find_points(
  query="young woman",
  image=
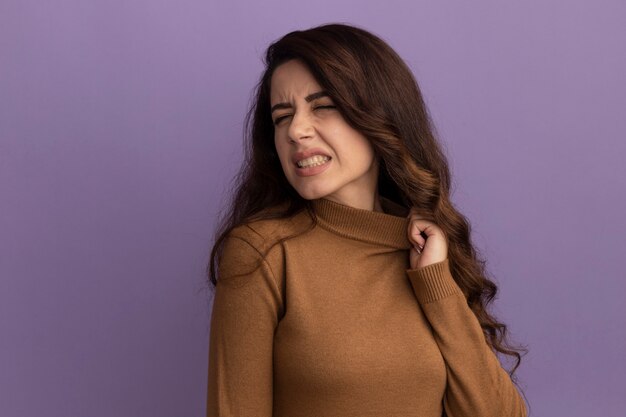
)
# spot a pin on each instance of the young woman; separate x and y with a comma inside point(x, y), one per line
point(346, 283)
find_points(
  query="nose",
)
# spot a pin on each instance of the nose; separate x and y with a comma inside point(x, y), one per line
point(300, 127)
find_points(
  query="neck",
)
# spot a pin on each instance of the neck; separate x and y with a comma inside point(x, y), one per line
point(360, 200)
point(387, 227)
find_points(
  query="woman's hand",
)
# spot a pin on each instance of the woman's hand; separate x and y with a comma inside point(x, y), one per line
point(429, 250)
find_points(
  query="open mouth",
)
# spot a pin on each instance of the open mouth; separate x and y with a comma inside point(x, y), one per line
point(315, 168)
point(315, 161)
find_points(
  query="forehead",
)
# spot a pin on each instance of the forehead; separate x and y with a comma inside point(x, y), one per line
point(290, 80)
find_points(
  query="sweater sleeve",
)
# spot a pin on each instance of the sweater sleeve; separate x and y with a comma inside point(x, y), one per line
point(246, 307)
point(477, 384)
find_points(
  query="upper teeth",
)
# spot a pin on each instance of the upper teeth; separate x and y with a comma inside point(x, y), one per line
point(317, 159)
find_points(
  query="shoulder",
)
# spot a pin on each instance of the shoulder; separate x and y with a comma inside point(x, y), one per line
point(258, 244)
point(265, 233)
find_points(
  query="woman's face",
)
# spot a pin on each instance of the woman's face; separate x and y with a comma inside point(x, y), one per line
point(306, 123)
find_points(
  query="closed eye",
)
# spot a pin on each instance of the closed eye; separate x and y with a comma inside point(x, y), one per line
point(278, 119)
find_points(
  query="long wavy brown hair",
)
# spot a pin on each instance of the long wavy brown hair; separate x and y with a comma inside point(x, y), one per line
point(377, 95)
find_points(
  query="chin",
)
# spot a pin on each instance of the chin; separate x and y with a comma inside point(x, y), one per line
point(311, 196)
point(309, 193)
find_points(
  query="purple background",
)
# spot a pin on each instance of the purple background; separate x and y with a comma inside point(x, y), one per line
point(120, 128)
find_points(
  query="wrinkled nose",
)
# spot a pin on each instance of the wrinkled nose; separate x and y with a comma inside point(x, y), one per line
point(301, 127)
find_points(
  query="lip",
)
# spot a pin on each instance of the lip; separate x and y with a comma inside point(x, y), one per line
point(309, 171)
point(298, 156)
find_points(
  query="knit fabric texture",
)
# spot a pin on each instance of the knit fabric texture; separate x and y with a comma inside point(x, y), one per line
point(334, 322)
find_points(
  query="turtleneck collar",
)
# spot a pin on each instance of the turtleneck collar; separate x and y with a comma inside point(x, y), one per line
point(388, 228)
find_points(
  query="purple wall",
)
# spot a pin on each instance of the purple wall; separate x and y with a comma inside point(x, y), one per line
point(120, 126)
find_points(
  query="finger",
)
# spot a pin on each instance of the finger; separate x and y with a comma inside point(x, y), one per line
point(425, 226)
point(415, 234)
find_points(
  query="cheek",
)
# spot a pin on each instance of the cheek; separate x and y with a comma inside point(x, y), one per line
point(356, 146)
point(366, 156)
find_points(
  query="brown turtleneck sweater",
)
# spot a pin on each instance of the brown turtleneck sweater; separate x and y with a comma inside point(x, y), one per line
point(335, 323)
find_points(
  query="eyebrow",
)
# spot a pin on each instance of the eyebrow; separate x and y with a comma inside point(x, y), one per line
point(308, 98)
